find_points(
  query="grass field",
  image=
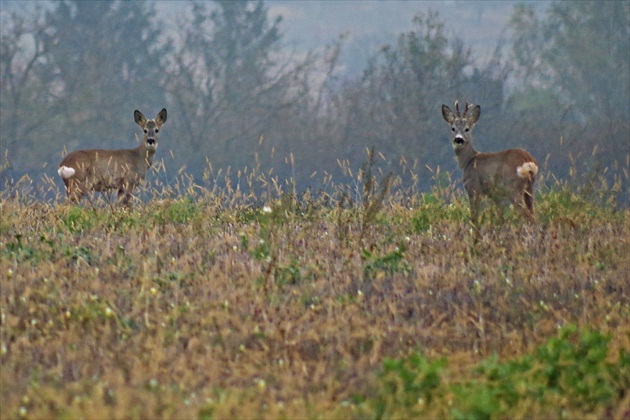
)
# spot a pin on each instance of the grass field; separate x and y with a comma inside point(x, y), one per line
point(205, 302)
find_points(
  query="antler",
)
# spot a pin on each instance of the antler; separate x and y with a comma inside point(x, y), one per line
point(468, 106)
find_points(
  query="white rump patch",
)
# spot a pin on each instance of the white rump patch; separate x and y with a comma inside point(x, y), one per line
point(66, 172)
point(527, 169)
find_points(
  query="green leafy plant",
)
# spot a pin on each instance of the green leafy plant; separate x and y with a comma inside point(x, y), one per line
point(387, 264)
point(571, 373)
point(408, 385)
point(572, 368)
point(182, 210)
point(78, 219)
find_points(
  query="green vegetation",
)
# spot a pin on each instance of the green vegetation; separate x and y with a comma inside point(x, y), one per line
point(224, 304)
point(567, 377)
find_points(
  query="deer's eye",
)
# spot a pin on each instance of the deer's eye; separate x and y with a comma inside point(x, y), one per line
point(467, 129)
point(453, 129)
point(157, 130)
point(146, 131)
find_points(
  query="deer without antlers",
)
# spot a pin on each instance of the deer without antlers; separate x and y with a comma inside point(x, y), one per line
point(84, 171)
point(507, 175)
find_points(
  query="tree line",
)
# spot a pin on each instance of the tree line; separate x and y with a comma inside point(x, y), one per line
point(72, 74)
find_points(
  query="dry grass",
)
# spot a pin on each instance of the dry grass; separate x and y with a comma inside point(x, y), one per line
point(199, 303)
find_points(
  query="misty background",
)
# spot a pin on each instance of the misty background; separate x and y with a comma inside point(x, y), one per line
point(298, 88)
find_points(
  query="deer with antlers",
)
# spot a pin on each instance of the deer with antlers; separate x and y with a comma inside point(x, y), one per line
point(502, 176)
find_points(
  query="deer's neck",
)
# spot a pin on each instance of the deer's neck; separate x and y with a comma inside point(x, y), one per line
point(145, 154)
point(465, 155)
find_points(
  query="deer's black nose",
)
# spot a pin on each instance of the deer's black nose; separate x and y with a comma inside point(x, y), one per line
point(151, 141)
point(458, 140)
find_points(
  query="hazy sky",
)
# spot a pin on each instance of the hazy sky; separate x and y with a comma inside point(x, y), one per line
point(312, 23)
point(369, 24)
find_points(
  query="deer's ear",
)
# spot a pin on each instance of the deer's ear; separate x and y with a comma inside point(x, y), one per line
point(447, 114)
point(140, 119)
point(161, 117)
point(474, 115)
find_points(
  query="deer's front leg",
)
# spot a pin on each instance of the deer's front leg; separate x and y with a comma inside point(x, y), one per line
point(475, 205)
point(124, 193)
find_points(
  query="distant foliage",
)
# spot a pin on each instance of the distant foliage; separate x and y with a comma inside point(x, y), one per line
point(579, 52)
point(74, 71)
point(225, 83)
point(574, 64)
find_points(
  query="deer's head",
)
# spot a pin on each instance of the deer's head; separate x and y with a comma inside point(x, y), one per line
point(150, 128)
point(461, 123)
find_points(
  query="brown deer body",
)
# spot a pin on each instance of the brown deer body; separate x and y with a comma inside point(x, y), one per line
point(84, 171)
point(507, 175)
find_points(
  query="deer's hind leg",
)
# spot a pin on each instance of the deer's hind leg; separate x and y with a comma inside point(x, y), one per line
point(523, 200)
point(529, 200)
point(74, 190)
